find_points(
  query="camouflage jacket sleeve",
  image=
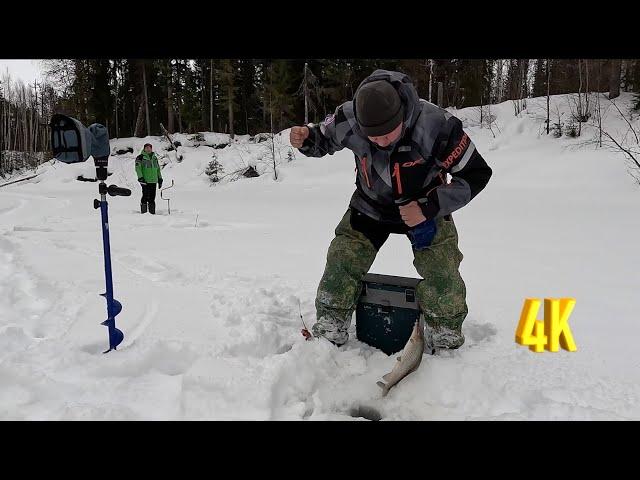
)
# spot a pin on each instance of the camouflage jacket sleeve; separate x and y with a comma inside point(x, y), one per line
point(322, 138)
point(456, 155)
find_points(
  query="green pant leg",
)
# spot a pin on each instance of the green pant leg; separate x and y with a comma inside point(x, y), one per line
point(442, 292)
point(349, 258)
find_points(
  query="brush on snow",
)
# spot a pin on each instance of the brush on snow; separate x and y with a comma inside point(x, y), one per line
point(305, 331)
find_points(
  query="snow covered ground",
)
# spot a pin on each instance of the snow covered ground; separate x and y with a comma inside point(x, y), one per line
point(211, 292)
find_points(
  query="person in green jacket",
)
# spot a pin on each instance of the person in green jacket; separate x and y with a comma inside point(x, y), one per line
point(148, 171)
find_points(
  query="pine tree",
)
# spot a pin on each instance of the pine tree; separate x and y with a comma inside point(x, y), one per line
point(474, 82)
point(278, 96)
point(635, 81)
point(229, 90)
point(100, 101)
point(614, 79)
point(2, 117)
point(192, 114)
point(250, 119)
point(540, 78)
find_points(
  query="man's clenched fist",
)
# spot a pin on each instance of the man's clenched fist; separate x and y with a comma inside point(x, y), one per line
point(411, 214)
point(298, 135)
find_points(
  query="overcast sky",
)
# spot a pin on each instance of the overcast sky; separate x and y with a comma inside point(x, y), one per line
point(26, 70)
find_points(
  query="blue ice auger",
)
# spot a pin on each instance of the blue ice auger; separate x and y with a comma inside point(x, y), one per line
point(114, 307)
point(72, 143)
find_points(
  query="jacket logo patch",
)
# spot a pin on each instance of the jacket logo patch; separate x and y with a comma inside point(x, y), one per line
point(419, 161)
point(453, 156)
point(329, 119)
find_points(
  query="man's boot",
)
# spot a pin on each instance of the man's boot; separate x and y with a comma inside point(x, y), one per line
point(152, 208)
point(143, 208)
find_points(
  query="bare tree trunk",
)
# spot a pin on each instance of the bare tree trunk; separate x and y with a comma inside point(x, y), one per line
point(586, 71)
point(203, 110)
point(2, 123)
point(138, 130)
point(169, 97)
point(25, 124)
point(230, 105)
point(146, 99)
point(524, 83)
point(40, 132)
point(264, 108)
point(430, 79)
point(587, 91)
point(614, 79)
point(7, 136)
point(34, 123)
point(580, 98)
point(9, 121)
point(211, 95)
point(270, 111)
point(273, 155)
point(116, 102)
point(170, 108)
point(456, 91)
point(139, 121)
point(16, 138)
point(548, 85)
point(598, 104)
point(499, 68)
point(306, 97)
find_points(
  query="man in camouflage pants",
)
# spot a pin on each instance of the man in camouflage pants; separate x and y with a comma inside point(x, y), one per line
point(404, 147)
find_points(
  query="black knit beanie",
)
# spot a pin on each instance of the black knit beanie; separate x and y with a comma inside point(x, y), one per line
point(378, 108)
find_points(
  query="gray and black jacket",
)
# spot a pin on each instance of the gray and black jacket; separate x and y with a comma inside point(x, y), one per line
point(432, 145)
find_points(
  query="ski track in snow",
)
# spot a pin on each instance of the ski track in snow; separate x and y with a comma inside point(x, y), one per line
point(211, 307)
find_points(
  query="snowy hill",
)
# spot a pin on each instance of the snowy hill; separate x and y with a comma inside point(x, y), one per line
point(210, 292)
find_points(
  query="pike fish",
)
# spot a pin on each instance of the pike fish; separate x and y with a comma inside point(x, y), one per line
point(408, 361)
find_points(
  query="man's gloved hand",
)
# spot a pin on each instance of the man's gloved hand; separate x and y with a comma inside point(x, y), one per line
point(421, 235)
point(159, 183)
point(141, 180)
